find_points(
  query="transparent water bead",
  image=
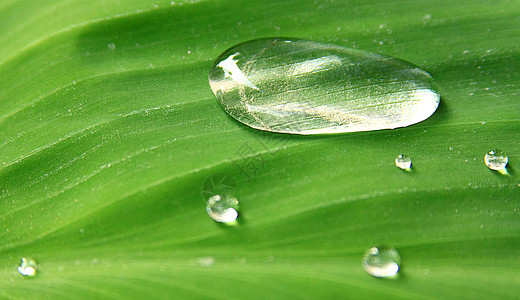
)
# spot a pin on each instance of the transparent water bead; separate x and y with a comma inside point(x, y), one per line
point(403, 161)
point(219, 191)
point(223, 209)
point(28, 267)
point(305, 87)
point(382, 261)
point(496, 160)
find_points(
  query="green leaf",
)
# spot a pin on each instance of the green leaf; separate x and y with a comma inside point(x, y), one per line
point(108, 129)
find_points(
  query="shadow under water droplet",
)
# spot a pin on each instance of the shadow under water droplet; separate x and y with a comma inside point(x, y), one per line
point(508, 171)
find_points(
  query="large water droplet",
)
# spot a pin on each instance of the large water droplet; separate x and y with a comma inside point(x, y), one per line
point(305, 87)
point(28, 267)
point(382, 261)
point(496, 160)
point(403, 161)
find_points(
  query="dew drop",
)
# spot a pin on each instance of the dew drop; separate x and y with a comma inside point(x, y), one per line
point(496, 160)
point(111, 46)
point(382, 261)
point(219, 191)
point(222, 209)
point(28, 267)
point(305, 87)
point(403, 161)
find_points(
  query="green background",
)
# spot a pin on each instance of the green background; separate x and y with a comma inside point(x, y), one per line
point(108, 129)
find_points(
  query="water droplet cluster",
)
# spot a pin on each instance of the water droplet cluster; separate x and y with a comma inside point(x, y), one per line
point(304, 87)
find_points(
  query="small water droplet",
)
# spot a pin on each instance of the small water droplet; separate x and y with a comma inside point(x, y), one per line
point(305, 87)
point(222, 209)
point(221, 204)
point(403, 161)
point(496, 160)
point(111, 46)
point(382, 261)
point(28, 267)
